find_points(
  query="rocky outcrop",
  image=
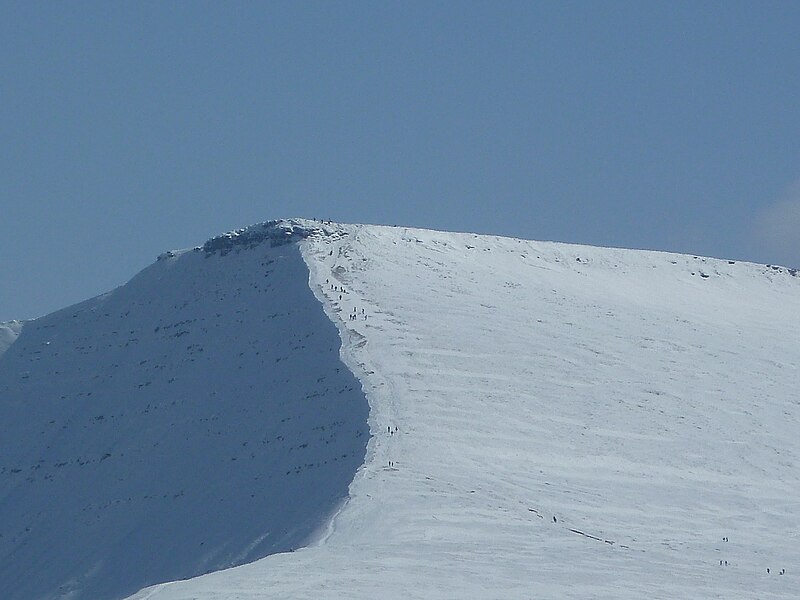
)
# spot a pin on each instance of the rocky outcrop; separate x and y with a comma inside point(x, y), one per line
point(275, 233)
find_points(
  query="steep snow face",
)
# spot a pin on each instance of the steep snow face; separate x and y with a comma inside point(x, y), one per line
point(8, 334)
point(572, 422)
point(196, 418)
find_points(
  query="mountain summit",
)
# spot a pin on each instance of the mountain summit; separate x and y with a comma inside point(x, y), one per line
point(360, 411)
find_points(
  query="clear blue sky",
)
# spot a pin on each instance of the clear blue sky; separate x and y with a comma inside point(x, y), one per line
point(131, 128)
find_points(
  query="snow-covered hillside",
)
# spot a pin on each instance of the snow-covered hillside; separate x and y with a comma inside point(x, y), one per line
point(196, 418)
point(546, 420)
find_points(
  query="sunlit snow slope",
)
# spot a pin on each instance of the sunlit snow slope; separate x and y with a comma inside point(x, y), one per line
point(8, 334)
point(196, 418)
point(572, 422)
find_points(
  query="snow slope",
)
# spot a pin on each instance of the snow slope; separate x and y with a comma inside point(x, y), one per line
point(194, 419)
point(8, 334)
point(573, 422)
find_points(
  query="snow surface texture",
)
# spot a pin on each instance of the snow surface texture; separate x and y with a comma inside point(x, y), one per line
point(196, 418)
point(571, 422)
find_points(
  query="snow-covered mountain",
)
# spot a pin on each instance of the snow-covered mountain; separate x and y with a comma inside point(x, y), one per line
point(504, 418)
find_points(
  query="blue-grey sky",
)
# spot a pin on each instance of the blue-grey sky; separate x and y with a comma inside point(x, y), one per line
point(129, 128)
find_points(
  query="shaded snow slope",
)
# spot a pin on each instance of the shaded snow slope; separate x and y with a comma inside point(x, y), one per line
point(573, 422)
point(196, 418)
